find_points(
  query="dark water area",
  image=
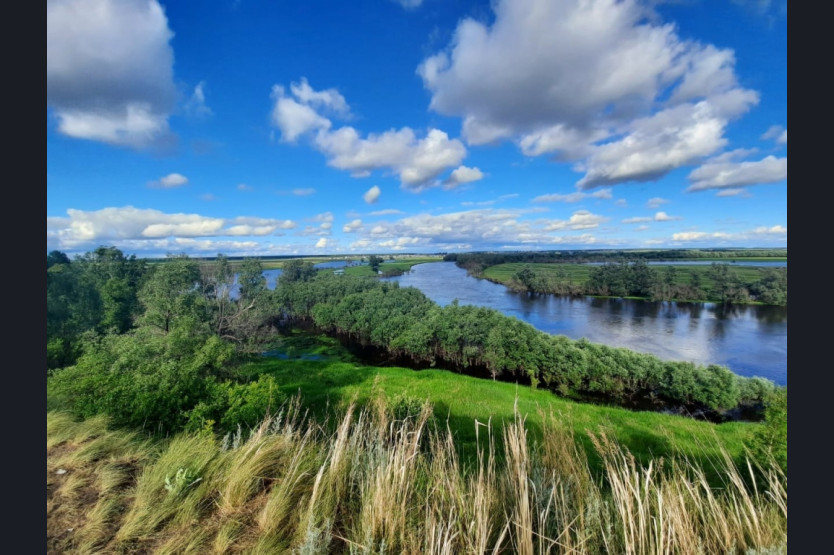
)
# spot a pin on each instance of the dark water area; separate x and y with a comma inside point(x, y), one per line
point(750, 340)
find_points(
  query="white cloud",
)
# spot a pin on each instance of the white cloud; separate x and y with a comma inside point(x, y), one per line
point(602, 83)
point(484, 228)
point(208, 197)
point(321, 243)
point(732, 193)
point(169, 181)
point(329, 100)
point(416, 161)
point(324, 228)
point(462, 175)
point(658, 217)
point(303, 192)
point(386, 212)
point(372, 194)
point(621, 202)
point(664, 217)
point(726, 172)
point(574, 197)
point(581, 219)
point(671, 138)
point(776, 133)
point(196, 105)
point(656, 202)
point(772, 233)
point(109, 70)
point(119, 224)
point(293, 118)
point(352, 226)
point(244, 187)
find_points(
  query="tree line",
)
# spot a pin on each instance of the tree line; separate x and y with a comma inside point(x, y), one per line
point(638, 279)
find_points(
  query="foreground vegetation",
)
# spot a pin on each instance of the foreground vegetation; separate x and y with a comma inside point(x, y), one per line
point(374, 481)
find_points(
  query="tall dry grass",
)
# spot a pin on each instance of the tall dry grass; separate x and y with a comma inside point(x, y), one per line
point(369, 483)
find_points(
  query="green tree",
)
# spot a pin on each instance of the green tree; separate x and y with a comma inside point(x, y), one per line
point(296, 270)
point(171, 296)
point(374, 261)
point(251, 279)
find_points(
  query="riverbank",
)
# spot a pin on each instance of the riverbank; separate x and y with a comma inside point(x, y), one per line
point(672, 282)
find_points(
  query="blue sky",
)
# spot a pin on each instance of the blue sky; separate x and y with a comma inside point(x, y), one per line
point(275, 128)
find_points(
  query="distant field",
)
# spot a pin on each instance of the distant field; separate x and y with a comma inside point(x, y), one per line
point(404, 265)
point(336, 379)
point(579, 273)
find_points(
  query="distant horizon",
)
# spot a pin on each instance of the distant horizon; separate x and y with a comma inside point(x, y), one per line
point(415, 253)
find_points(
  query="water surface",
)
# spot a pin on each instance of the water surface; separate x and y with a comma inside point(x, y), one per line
point(750, 340)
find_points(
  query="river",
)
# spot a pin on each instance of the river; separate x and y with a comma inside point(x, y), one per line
point(750, 340)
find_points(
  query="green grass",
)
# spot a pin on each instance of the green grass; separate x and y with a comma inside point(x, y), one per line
point(404, 265)
point(337, 379)
point(579, 273)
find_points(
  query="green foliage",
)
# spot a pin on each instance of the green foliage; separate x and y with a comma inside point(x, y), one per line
point(296, 270)
point(143, 379)
point(770, 440)
point(374, 261)
point(171, 295)
point(98, 291)
point(251, 279)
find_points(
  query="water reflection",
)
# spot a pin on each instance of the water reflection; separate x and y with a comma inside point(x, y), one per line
point(750, 340)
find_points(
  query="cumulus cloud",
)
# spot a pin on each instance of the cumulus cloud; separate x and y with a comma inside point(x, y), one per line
point(658, 217)
point(486, 227)
point(196, 105)
point(462, 175)
point(109, 70)
point(771, 233)
point(602, 83)
point(574, 197)
point(656, 202)
point(81, 229)
point(671, 138)
point(321, 243)
point(386, 212)
point(416, 161)
point(169, 181)
point(726, 171)
point(352, 226)
point(294, 118)
point(372, 194)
